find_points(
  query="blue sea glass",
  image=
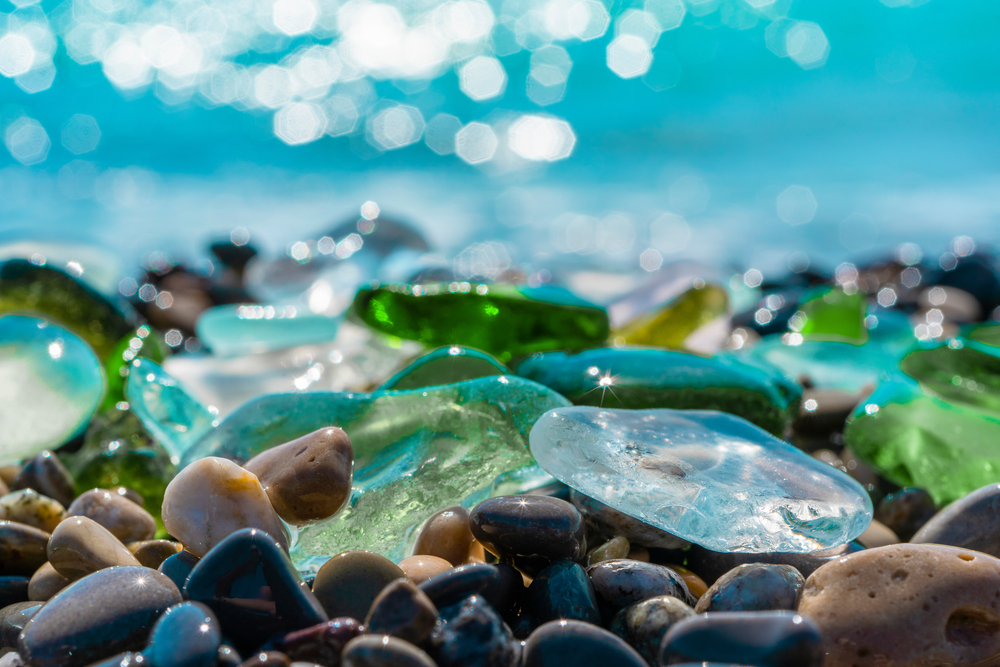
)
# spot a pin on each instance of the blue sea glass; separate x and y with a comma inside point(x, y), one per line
point(445, 365)
point(230, 331)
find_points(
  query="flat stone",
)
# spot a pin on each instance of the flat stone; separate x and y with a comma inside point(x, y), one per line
point(22, 549)
point(123, 518)
point(607, 521)
point(707, 477)
point(384, 651)
point(419, 569)
point(152, 553)
point(309, 478)
point(621, 583)
point(908, 605)
point(644, 624)
point(96, 617)
point(445, 365)
point(580, 644)
point(321, 643)
point(905, 511)
point(348, 583)
point(473, 635)
point(46, 474)
point(562, 591)
point(29, 507)
point(754, 587)
point(186, 635)
point(764, 638)
point(402, 610)
point(45, 583)
point(972, 522)
point(213, 498)
point(80, 546)
point(446, 534)
point(13, 618)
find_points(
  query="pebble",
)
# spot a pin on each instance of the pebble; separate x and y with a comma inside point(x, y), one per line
point(186, 635)
point(562, 591)
point(152, 553)
point(46, 474)
point(92, 619)
point(348, 583)
point(321, 643)
point(45, 583)
point(760, 638)
point(383, 651)
point(267, 659)
point(447, 535)
point(696, 585)
point(80, 546)
point(616, 547)
point(29, 507)
point(459, 583)
point(178, 567)
point(13, 618)
point(309, 478)
point(644, 624)
point(213, 498)
point(122, 517)
point(421, 568)
point(12, 590)
point(228, 657)
point(972, 522)
point(129, 494)
point(561, 643)
point(623, 582)
point(402, 610)
point(22, 549)
point(877, 535)
point(473, 635)
point(529, 531)
point(824, 411)
point(754, 587)
point(908, 605)
point(710, 565)
point(251, 585)
point(11, 660)
point(608, 521)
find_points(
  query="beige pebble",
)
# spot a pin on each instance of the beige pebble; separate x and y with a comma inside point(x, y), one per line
point(130, 494)
point(151, 553)
point(211, 499)
point(447, 535)
point(877, 535)
point(348, 583)
point(907, 605)
point(8, 474)
point(309, 478)
point(80, 546)
point(122, 517)
point(45, 583)
point(615, 548)
point(638, 553)
point(421, 568)
point(29, 507)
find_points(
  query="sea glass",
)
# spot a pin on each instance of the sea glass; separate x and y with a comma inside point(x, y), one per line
point(143, 342)
point(707, 477)
point(685, 322)
point(415, 452)
point(986, 334)
point(501, 319)
point(50, 384)
point(641, 378)
point(174, 417)
point(235, 330)
point(445, 365)
point(831, 314)
point(958, 374)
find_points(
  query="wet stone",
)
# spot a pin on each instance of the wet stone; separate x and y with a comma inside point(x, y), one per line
point(13, 618)
point(402, 610)
point(267, 659)
point(186, 635)
point(459, 583)
point(616, 547)
point(383, 651)
point(754, 587)
point(123, 518)
point(227, 656)
point(421, 568)
point(92, 619)
point(22, 549)
point(12, 590)
point(710, 565)
point(348, 583)
point(45, 583)
point(321, 643)
point(473, 635)
point(623, 582)
point(29, 507)
point(972, 522)
point(152, 553)
point(80, 546)
point(47, 475)
point(250, 584)
point(696, 585)
point(824, 411)
point(126, 659)
point(446, 534)
point(560, 643)
point(178, 567)
point(877, 535)
point(764, 638)
point(529, 531)
point(309, 478)
point(607, 521)
point(644, 624)
point(562, 591)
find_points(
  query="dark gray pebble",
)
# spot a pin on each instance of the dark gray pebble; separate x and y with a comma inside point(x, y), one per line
point(760, 638)
point(529, 531)
point(127, 659)
point(228, 657)
point(754, 587)
point(710, 565)
point(321, 643)
point(402, 610)
point(383, 651)
point(972, 522)
point(455, 585)
point(13, 589)
point(561, 643)
point(22, 549)
point(186, 635)
point(178, 567)
point(267, 659)
point(623, 582)
point(562, 591)
point(473, 635)
point(46, 474)
point(644, 624)
point(13, 618)
point(904, 512)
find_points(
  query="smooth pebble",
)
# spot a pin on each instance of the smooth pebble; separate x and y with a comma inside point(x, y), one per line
point(80, 546)
point(29, 507)
point(122, 517)
point(348, 583)
point(753, 587)
point(421, 568)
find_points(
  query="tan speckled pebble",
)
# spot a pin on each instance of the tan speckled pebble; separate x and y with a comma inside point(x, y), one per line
point(80, 546)
point(421, 568)
point(45, 583)
point(907, 605)
point(29, 507)
point(125, 519)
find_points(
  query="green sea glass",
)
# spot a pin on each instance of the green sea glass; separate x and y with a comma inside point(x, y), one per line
point(445, 365)
point(987, 334)
point(958, 374)
point(501, 319)
point(119, 451)
point(143, 342)
point(643, 378)
point(416, 452)
point(832, 314)
point(670, 325)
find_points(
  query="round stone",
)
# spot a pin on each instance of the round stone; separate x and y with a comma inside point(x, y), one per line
point(562, 591)
point(421, 568)
point(472, 633)
point(560, 643)
point(754, 587)
point(80, 546)
point(186, 635)
point(877, 535)
point(152, 553)
point(773, 638)
point(644, 624)
point(620, 583)
point(972, 522)
point(22, 549)
point(608, 521)
point(46, 474)
point(45, 583)
point(402, 610)
point(123, 518)
point(616, 547)
point(383, 651)
point(905, 511)
point(348, 583)
point(446, 535)
point(13, 618)
point(29, 507)
point(456, 584)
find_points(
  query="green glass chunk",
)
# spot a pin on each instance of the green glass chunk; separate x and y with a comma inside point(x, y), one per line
point(958, 374)
point(143, 342)
point(415, 452)
point(987, 334)
point(445, 365)
point(503, 320)
point(640, 379)
point(671, 325)
point(119, 451)
point(832, 314)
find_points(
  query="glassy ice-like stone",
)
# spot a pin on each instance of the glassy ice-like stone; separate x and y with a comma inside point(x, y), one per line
point(831, 314)
point(230, 331)
point(415, 452)
point(173, 416)
point(704, 476)
point(501, 319)
point(356, 360)
point(445, 365)
point(696, 319)
point(50, 385)
point(639, 378)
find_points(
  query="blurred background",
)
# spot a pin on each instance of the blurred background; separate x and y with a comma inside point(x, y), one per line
point(752, 134)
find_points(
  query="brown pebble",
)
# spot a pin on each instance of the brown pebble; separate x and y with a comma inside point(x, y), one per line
point(151, 553)
point(907, 605)
point(8, 474)
point(45, 583)
point(616, 547)
point(4, 489)
point(80, 546)
point(348, 583)
point(29, 507)
point(22, 549)
point(309, 478)
point(383, 651)
point(696, 585)
point(447, 535)
point(877, 535)
point(129, 494)
point(421, 568)
point(638, 553)
point(46, 474)
point(122, 517)
point(402, 610)
point(267, 659)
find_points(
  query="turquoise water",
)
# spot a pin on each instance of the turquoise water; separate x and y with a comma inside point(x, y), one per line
point(888, 133)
